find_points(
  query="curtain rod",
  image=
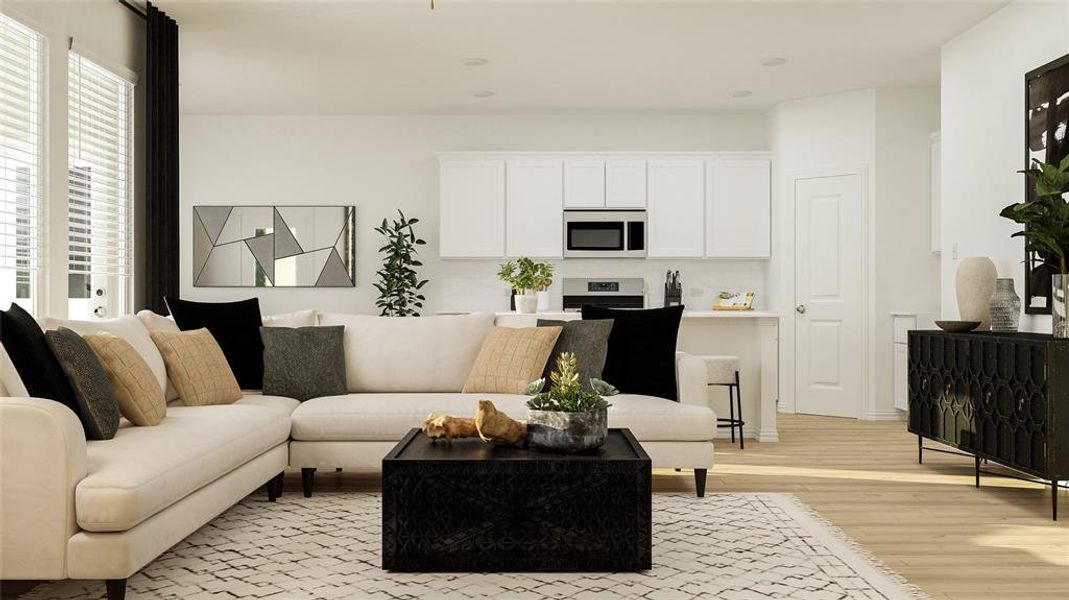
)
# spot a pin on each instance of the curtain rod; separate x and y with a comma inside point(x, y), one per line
point(133, 9)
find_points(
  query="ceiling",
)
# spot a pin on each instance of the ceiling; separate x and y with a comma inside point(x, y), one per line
point(401, 57)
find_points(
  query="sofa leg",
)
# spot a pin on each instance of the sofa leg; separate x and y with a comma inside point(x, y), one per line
point(699, 482)
point(278, 482)
point(308, 479)
point(337, 469)
point(116, 588)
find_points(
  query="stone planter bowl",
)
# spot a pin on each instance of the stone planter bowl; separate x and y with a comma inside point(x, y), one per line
point(556, 431)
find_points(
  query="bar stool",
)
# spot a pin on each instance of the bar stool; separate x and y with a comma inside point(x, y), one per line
point(724, 370)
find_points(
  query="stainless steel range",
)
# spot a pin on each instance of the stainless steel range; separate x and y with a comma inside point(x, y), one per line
point(628, 292)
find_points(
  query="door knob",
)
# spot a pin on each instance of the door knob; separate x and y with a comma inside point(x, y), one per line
point(800, 309)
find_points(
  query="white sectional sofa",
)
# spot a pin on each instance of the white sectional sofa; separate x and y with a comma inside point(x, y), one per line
point(71, 508)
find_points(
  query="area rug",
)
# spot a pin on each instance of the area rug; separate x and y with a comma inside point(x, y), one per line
point(732, 546)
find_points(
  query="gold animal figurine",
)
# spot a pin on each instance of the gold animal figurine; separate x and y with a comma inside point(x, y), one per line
point(489, 424)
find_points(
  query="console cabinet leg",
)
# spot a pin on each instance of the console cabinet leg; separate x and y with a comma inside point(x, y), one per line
point(308, 479)
point(977, 471)
point(116, 589)
point(699, 482)
point(920, 450)
point(1054, 499)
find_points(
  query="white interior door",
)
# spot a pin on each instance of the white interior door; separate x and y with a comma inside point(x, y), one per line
point(828, 298)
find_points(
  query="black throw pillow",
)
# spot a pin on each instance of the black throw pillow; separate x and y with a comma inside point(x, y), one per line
point(642, 349)
point(92, 388)
point(33, 359)
point(236, 328)
point(588, 340)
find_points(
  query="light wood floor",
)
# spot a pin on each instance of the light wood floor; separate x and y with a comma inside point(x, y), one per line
point(927, 522)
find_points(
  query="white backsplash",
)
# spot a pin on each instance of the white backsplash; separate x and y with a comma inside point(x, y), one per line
point(473, 284)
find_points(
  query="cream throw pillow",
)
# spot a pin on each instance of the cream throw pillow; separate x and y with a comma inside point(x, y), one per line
point(197, 368)
point(136, 388)
point(510, 358)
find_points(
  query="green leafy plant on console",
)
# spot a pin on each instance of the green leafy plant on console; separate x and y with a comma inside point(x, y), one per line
point(1046, 218)
point(399, 284)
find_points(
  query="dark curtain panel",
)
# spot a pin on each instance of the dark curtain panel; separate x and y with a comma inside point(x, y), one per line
point(161, 161)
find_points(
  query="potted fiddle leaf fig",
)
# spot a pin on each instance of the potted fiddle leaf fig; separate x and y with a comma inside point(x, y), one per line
point(1046, 230)
point(528, 278)
point(399, 285)
point(567, 418)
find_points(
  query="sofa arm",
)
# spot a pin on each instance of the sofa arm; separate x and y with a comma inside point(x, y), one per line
point(691, 379)
point(42, 459)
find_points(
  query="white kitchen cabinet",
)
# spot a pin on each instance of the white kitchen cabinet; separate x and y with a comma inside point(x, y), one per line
point(534, 208)
point(471, 208)
point(935, 151)
point(584, 184)
point(675, 208)
point(738, 208)
point(625, 183)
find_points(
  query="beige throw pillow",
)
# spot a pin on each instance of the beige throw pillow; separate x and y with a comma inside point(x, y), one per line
point(511, 358)
point(197, 368)
point(136, 388)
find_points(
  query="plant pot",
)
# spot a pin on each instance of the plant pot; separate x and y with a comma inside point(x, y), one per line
point(526, 303)
point(1059, 289)
point(557, 431)
point(1005, 307)
point(543, 301)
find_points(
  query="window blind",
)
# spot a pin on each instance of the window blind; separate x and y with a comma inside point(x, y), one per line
point(21, 156)
point(100, 170)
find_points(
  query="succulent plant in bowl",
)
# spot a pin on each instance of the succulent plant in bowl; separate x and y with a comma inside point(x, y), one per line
point(567, 418)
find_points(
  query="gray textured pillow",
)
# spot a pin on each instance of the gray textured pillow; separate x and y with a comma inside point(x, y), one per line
point(89, 380)
point(303, 362)
point(588, 339)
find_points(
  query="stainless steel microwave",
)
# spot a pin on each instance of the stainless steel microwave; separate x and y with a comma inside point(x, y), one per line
point(604, 234)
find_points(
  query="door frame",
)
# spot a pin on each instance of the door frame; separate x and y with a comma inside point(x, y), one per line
point(786, 283)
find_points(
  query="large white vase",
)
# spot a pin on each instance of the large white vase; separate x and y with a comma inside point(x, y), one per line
point(975, 284)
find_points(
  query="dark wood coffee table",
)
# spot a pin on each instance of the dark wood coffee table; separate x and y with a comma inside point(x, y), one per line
point(478, 506)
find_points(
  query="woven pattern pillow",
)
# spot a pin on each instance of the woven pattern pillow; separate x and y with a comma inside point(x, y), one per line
point(197, 367)
point(135, 385)
point(511, 358)
point(303, 362)
point(92, 387)
point(588, 340)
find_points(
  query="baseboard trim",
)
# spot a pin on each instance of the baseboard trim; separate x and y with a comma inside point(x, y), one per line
point(750, 433)
point(887, 414)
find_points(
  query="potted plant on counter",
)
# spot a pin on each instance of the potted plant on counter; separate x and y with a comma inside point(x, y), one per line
point(528, 278)
point(567, 418)
point(1046, 230)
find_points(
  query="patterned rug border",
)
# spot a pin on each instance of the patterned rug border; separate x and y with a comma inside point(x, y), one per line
point(849, 550)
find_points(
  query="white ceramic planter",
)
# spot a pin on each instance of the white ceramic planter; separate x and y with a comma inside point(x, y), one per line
point(526, 303)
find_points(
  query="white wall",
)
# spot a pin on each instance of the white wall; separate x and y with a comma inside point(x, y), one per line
point(112, 36)
point(983, 136)
point(381, 163)
point(882, 133)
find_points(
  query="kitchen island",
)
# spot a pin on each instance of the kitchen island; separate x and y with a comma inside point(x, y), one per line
point(753, 336)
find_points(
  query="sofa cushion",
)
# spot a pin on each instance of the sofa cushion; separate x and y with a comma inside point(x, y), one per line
point(130, 328)
point(235, 327)
point(197, 367)
point(31, 357)
point(511, 358)
point(304, 362)
point(642, 349)
point(410, 354)
point(254, 398)
point(90, 382)
point(135, 386)
point(144, 470)
point(587, 340)
point(387, 417)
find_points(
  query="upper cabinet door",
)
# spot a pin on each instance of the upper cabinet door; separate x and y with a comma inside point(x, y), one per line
point(738, 209)
point(535, 208)
point(471, 208)
point(584, 184)
point(625, 184)
point(676, 201)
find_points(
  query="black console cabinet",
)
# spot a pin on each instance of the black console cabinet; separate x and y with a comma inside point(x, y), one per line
point(1003, 397)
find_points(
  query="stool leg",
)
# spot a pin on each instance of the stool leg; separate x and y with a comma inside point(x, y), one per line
point(738, 398)
point(731, 410)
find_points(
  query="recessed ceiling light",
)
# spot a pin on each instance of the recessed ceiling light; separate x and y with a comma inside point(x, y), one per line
point(773, 61)
point(482, 94)
point(475, 62)
point(740, 93)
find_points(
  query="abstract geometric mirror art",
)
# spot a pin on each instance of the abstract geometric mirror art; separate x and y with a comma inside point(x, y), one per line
point(274, 246)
